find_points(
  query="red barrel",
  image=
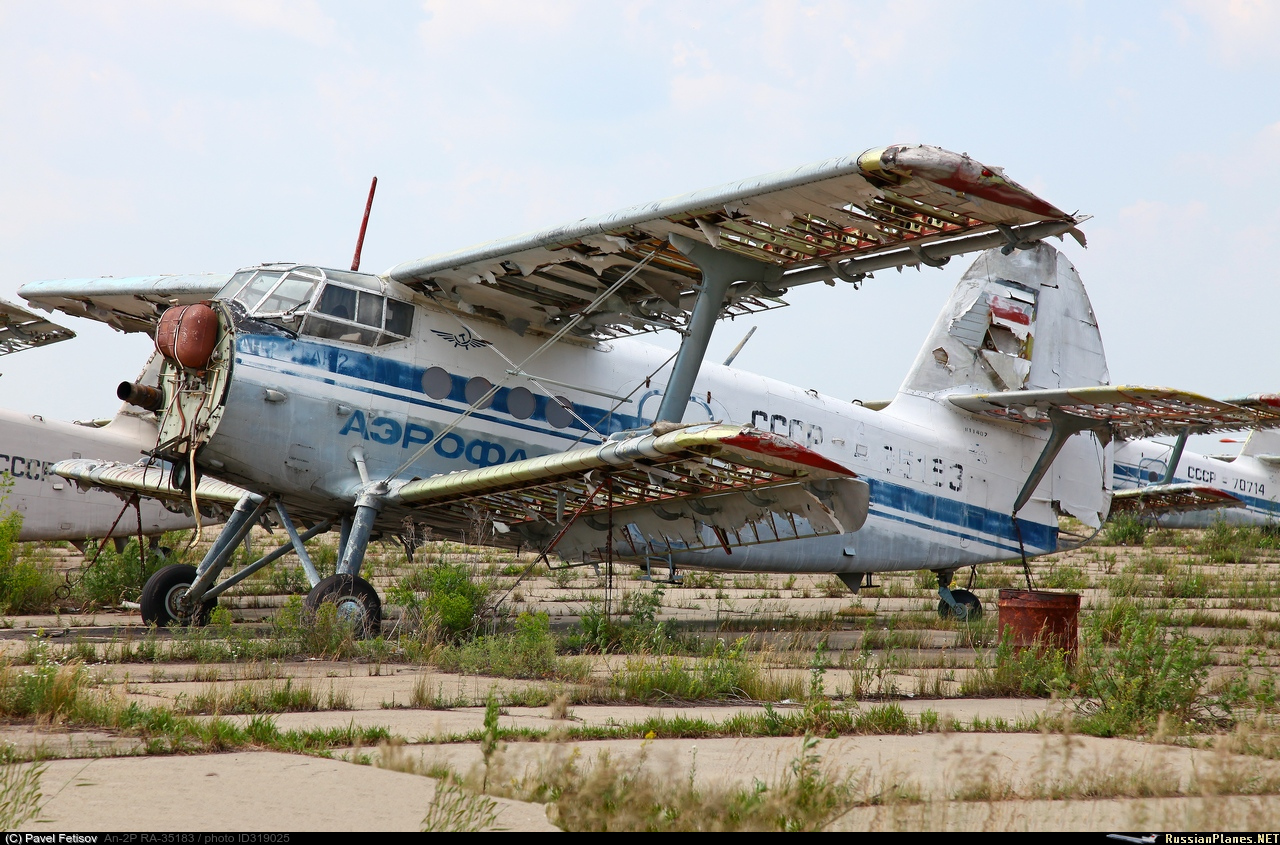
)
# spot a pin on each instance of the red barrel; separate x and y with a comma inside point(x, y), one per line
point(1041, 620)
point(188, 335)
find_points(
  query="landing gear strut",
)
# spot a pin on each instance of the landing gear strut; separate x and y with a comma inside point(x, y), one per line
point(956, 604)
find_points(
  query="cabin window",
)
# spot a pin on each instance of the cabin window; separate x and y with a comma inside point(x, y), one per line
point(476, 389)
point(521, 403)
point(559, 412)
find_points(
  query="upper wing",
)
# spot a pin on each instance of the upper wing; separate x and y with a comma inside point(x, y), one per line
point(1172, 498)
point(890, 207)
point(695, 487)
point(130, 304)
point(22, 329)
point(1126, 412)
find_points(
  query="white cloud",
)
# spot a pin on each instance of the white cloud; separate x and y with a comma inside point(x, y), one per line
point(1242, 30)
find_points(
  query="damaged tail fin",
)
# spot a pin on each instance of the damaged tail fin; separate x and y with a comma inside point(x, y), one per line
point(1014, 322)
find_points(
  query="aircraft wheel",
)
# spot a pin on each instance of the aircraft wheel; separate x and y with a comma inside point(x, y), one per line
point(162, 593)
point(968, 602)
point(356, 599)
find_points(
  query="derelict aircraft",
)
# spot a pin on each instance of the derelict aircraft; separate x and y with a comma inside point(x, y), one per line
point(52, 509)
point(1181, 489)
point(499, 390)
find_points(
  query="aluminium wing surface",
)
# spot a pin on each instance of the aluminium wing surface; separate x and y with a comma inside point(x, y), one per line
point(895, 206)
point(691, 487)
point(129, 304)
point(22, 329)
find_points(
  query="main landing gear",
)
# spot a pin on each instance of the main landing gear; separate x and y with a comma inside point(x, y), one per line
point(955, 604)
point(185, 595)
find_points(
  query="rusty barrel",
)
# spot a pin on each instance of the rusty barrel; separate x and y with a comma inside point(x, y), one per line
point(1041, 619)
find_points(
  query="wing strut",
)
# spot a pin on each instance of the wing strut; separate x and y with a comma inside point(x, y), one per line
point(1175, 456)
point(1064, 425)
point(720, 269)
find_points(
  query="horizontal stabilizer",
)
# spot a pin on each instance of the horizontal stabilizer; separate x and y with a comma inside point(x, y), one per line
point(129, 304)
point(700, 486)
point(1159, 499)
point(149, 481)
point(1125, 412)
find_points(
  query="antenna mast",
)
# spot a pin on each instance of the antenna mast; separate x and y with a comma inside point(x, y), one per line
point(364, 224)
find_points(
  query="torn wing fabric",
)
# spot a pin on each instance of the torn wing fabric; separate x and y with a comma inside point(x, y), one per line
point(22, 329)
point(1125, 412)
point(699, 486)
point(895, 206)
point(131, 304)
point(150, 481)
point(1157, 499)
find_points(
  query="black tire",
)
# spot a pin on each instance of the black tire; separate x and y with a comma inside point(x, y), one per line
point(356, 599)
point(161, 594)
point(964, 598)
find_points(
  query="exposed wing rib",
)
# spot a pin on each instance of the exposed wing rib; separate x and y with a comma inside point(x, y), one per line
point(1126, 412)
point(872, 211)
point(22, 329)
point(129, 304)
point(700, 486)
point(1172, 498)
point(150, 481)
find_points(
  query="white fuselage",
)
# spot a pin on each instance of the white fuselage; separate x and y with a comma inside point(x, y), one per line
point(1255, 482)
point(942, 481)
point(53, 508)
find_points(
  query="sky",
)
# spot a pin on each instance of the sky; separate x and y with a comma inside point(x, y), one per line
point(202, 136)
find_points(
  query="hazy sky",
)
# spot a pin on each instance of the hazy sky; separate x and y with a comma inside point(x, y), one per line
point(154, 137)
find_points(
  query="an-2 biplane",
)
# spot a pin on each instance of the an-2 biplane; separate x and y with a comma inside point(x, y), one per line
point(503, 384)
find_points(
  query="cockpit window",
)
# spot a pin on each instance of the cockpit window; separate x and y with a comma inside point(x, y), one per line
point(257, 289)
point(399, 317)
point(358, 317)
point(237, 281)
point(294, 290)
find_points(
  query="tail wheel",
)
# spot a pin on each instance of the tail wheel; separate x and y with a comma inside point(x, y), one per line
point(356, 599)
point(161, 600)
point(969, 604)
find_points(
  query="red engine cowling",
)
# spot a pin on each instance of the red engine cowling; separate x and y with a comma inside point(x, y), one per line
point(188, 335)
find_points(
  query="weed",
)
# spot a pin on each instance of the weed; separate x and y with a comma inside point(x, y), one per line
point(454, 810)
point(19, 794)
point(1125, 530)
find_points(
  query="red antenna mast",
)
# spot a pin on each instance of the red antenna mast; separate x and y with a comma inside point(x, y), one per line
point(364, 224)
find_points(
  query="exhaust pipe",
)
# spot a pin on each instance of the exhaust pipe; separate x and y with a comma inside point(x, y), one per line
point(148, 398)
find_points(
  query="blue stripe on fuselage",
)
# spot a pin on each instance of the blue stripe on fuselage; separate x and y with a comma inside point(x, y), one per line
point(1267, 506)
point(970, 520)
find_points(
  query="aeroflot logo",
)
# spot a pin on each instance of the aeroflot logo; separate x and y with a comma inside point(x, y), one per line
point(482, 453)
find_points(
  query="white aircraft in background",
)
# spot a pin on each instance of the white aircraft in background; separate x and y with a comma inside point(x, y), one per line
point(52, 508)
point(337, 398)
point(1241, 489)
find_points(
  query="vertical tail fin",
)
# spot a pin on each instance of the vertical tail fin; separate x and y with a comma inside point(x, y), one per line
point(1016, 321)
